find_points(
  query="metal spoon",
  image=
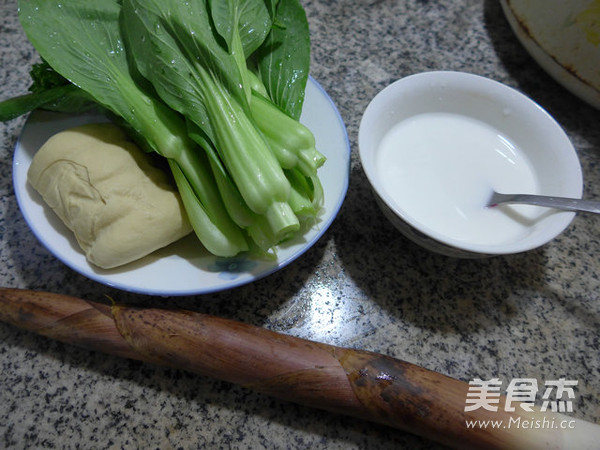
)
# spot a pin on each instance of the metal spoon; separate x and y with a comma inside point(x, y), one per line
point(568, 204)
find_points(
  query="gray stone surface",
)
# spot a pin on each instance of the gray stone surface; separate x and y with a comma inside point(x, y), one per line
point(533, 315)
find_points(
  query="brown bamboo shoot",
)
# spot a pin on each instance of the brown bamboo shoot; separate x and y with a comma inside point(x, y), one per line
point(358, 383)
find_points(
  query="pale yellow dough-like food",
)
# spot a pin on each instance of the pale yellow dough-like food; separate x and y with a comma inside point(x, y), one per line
point(105, 189)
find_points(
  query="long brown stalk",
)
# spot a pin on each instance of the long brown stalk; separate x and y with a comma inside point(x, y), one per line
point(358, 383)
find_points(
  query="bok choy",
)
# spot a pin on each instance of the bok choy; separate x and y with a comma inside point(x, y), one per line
point(215, 87)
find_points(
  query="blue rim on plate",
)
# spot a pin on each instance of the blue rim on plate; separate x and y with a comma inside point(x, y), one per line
point(184, 267)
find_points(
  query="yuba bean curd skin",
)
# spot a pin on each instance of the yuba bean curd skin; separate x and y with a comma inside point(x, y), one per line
point(440, 168)
point(106, 190)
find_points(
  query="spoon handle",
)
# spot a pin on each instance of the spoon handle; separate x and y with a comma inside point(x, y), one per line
point(567, 204)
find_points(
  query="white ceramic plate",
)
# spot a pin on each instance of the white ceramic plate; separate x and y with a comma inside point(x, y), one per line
point(185, 267)
point(562, 36)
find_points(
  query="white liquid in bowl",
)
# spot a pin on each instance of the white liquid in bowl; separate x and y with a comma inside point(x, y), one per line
point(440, 168)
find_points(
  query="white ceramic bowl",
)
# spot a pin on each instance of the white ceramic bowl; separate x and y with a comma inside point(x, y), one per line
point(415, 197)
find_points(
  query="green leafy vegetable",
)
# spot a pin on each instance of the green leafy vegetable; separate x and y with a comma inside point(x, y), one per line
point(214, 86)
point(50, 91)
point(210, 92)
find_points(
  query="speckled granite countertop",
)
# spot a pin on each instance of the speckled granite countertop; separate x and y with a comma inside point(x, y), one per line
point(533, 315)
